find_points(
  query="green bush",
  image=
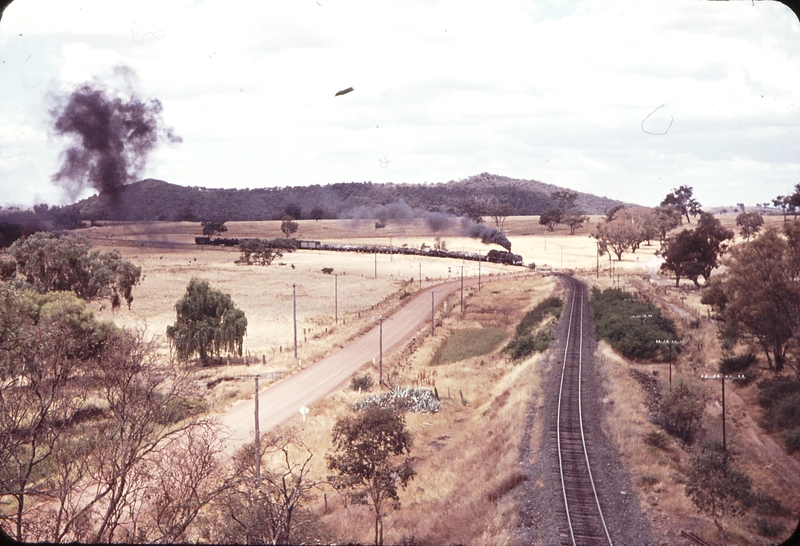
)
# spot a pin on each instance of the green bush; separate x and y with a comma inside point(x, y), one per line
point(363, 382)
point(780, 398)
point(552, 306)
point(680, 410)
point(525, 346)
point(633, 337)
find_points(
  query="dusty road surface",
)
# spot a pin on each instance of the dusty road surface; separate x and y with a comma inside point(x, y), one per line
point(283, 400)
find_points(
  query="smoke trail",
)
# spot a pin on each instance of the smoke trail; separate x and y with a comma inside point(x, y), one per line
point(437, 221)
point(112, 138)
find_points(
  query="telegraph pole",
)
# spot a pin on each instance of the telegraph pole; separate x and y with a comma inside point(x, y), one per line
point(336, 297)
point(670, 343)
point(294, 316)
point(433, 316)
point(462, 289)
point(722, 378)
point(258, 433)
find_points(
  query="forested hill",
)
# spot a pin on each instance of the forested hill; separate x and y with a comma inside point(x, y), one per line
point(158, 200)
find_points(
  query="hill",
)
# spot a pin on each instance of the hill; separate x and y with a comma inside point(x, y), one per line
point(158, 200)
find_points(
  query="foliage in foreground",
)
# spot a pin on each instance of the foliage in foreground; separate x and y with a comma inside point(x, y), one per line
point(207, 322)
point(368, 462)
point(50, 264)
point(714, 485)
point(533, 333)
point(680, 410)
point(631, 326)
point(780, 398)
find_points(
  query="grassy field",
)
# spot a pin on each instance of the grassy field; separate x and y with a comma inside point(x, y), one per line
point(467, 471)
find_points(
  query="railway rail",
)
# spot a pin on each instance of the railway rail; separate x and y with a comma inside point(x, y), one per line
point(584, 523)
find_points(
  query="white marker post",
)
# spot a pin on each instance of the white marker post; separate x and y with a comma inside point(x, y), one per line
point(303, 412)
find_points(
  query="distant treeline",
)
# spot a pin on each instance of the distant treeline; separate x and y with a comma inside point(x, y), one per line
point(482, 194)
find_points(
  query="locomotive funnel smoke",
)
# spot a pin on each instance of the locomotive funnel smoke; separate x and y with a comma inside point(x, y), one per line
point(112, 138)
point(487, 234)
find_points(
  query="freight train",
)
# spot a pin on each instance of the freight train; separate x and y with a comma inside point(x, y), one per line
point(493, 256)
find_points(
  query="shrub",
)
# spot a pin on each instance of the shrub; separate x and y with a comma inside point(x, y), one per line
point(7, 269)
point(523, 347)
point(766, 505)
point(363, 382)
point(768, 528)
point(633, 337)
point(736, 364)
point(549, 307)
point(680, 410)
point(657, 439)
point(780, 398)
point(649, 480)
point(327, 270)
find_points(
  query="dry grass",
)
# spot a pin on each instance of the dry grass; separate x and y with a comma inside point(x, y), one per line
point(467, 455)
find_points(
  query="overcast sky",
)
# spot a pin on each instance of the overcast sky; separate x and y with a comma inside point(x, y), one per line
point(558, 92)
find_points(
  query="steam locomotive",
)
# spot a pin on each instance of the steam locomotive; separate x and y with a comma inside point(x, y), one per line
point(493, 256)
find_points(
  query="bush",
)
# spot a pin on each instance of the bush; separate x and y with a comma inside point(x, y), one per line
point(363, 383)
point(523, 347)
point(768, 528)
point(791, 439)
point(680, 410)
point(736, 364)
point(327, 270)
point(766, 505)
point(7, 269)
point(550, 307)
point(657, 439)
point(633, 337)
point(780, 398)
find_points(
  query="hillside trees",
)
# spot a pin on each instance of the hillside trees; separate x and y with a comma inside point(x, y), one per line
point(758, 298)
point(695, 253)
point(367, 459)
point(207, 322)
point(49, 263)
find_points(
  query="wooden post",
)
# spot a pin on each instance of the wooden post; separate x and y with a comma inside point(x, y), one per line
point(258, 434)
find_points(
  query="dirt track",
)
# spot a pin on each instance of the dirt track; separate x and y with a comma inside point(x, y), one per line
point(283, 400)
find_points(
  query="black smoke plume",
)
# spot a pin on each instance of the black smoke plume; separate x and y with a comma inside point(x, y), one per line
point(112, 138)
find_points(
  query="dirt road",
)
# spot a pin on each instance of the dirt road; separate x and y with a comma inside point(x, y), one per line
point(283, 400)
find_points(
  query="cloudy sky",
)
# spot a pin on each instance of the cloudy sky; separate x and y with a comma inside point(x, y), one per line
point(626, 100)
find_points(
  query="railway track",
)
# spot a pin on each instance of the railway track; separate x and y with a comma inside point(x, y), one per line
point(584, 522)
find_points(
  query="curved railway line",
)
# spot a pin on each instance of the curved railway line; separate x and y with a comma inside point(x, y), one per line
point(584, 523)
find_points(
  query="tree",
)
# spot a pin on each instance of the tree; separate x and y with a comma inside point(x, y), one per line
point(758, 298)
point(293, 210)
point(473, 209)
point(784, 202)
point(575, 220)
point(213, 227)
point(550, 218)
point(269, 508)
point(666, 219)
point(257, 251)
point(45, 341)
point(288, 225)
point(617, 236)
point(317, 213)
point(680, 410)
point(613, 210)
point(366, 459)
point(714, 485)
point(499, 212)
point(681, 198)
point(695, 253)
point(750, 222)
point(564, 199)
point(207, 322)
point(49, 264)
